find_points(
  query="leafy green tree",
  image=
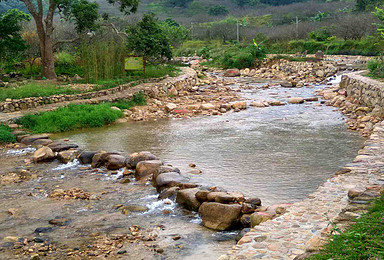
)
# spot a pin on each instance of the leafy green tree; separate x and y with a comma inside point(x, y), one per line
point(11, 42)
point(83, 12)
point(147, 39)
point(175, 32)
point(379, 13)
point(218, 10)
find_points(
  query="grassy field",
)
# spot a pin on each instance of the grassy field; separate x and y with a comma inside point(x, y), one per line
point(362, 241)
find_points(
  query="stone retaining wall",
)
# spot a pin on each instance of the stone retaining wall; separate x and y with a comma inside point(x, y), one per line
point(368, 91)
point(188, 77)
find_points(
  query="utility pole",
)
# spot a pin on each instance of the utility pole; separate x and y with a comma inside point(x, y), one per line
point(192, 30)
point(297, 27)
point(238, 31)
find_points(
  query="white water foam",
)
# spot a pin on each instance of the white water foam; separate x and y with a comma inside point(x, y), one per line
point(160, 205)
point(20, 151)
point(71, 165)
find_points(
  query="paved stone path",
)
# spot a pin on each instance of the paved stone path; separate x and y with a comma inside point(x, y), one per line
point(146, 87)
point(306, 223)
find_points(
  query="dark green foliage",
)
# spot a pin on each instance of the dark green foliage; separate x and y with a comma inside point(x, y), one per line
point(12, 4)
point(5, 135)
point(363, 241)
point(85, 14)
point(243, 3)
point(281, 2)
point(218, 10)
point(148, 39)
point(320, 34)
point(367, 5)
point(376, 67)
point(247, 57)
point(71, 117)
point(137, 100)
point(175, 32)
point(11, 42)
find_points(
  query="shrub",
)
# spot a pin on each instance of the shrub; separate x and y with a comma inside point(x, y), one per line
point(137, 100)
point(218, 10)
point(321, 34)
point(5, 135)
point(376, 67)
point(71, 117)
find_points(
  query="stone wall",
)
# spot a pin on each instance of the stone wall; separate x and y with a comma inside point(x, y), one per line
point(188, 78)
point(367, 91)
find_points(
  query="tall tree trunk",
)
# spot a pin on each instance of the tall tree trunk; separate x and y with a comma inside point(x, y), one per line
point(48, 61)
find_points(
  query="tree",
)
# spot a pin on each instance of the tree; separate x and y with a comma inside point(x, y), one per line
point(178, 3)
point(11, 42)
point(218, 10)
point(147, 39)
point(175, 32)
point(379, 13)
point(83, 12)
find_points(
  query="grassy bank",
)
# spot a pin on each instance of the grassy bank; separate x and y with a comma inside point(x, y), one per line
point(5, 135)
point(35, 89)
point(363, 240)
point(78, 116)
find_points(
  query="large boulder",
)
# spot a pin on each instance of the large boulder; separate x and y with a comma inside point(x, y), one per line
point(67, 156)
point(168, 179)
point(135, 158)
point(115, 161)
point(43, 142)
point(85, 157)
point(164, 169)
point(29, 139)
point(201, 195)
point(225, 197)
point(296, 100)
point(147, 168)
point(58, 146)
point(187, 199)
point(219, 216)
point(43, 154)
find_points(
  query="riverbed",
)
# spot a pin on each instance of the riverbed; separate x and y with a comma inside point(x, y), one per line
point(280, 154)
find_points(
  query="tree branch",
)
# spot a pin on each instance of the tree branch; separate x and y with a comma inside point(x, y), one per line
point(64, 41)
point(30, 7)
point(114, 28)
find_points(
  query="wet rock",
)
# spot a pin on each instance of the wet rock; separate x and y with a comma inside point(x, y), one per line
point(86, 157)
point(115, 162)
point(259, 217)
point(29, 139)
point(39, 240)
point(311, 99)
point(258, 104)
point(147, 168)
point(255, 202)
point(320, 73)
point(194, 172)
point(296, 100)
point(135, 208)
point(43, 154)
point(168, 193)
point(242, 233)
point(164, 169)
point(58, 147)
point(219, 216)
point(276, 103)
point(43, 230)
point(187, 199)
point(245, 220)
point(67, 156)
point(232, 73)
point(135, 158)
point(202, 195)
point(240, 105)
point(353, 193)
point(43, 142)
point(286, 84)
point(168, 179)
point(225, 197)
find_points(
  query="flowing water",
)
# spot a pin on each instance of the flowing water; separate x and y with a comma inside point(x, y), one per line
point(280, 154)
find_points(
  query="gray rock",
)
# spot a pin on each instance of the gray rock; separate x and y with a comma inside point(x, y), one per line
point(135, 158)
point(219, 216)
point(187, 199)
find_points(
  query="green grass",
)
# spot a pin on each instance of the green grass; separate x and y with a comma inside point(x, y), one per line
point(362, 241)
point(71, 117)
point(78, 116)
point(35, 90)
point(5, 135)
point(137, 100)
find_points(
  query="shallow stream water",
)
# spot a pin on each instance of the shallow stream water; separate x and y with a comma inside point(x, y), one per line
point(280, 154)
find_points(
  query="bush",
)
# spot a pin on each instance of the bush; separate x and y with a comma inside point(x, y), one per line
point(137, 100)
point(5, 135)
point(321, 34)
point(71, 117)
point(218, 10)
point(376, 67)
